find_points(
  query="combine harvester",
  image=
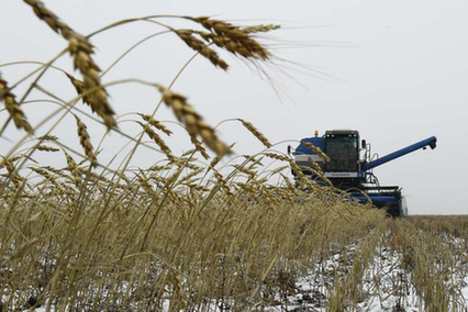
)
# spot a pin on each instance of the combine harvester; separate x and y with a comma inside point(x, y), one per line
point(350, 164)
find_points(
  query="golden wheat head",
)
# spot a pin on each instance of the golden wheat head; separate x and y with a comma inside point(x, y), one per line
point(13, 108)
point(193, 122)
point(260, 136)
point(85, 141)
point(81, 50)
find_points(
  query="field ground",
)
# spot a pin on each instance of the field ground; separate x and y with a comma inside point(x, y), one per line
point(419, 264)
point(416, 263)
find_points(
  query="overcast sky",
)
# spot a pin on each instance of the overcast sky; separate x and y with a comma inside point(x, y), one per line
point(397, 71)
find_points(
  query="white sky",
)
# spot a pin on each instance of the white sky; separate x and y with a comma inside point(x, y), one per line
point(394, 70)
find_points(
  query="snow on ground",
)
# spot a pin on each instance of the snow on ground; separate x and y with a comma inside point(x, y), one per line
point(313, 289)
point(461, 277)
point(465, 291)
point(388, 286)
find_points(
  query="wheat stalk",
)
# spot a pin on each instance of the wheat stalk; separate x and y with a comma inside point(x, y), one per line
point(44, 173)
point(222, 182)
point(214, 162)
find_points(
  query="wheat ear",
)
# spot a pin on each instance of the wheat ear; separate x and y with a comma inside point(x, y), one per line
point(202, 48)
point(158, 140)
point(13, 108)
point(81, 50)
point(85, 141)
point(193, 121)
point(317, 151)
point(260, 28)
point(233, 38)
point(155, 123)
point(260, 136)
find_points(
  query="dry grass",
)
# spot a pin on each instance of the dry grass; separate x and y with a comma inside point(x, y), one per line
point(456, 226)
point(183, 234)
point(161, 237)
point(436, 259)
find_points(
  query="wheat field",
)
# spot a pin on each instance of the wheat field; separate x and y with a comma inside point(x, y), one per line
point(203, 230)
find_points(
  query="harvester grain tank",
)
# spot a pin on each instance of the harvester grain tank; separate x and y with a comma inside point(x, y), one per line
point(349, 166)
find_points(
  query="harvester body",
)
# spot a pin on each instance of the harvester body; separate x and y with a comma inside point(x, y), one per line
point(349, 166)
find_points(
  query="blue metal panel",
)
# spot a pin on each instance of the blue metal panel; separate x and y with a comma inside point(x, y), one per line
point(317, 141)
point(399, 153)
point(378, 200)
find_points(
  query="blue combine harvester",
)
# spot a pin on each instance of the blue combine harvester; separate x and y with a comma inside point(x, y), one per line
point(350, 165)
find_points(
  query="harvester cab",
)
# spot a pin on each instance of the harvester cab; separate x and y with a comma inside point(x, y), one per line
point(347, 162)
